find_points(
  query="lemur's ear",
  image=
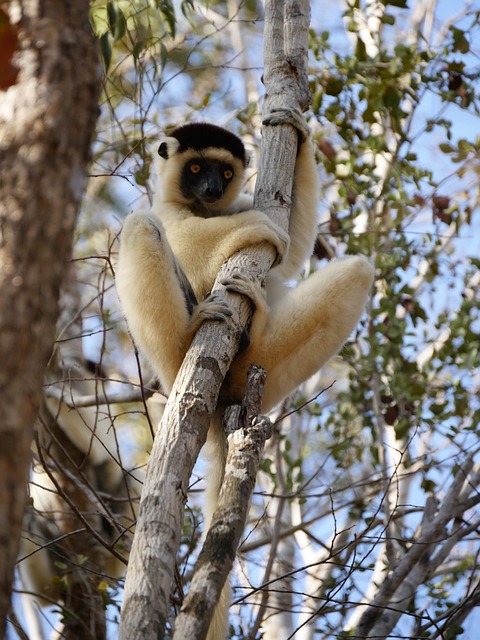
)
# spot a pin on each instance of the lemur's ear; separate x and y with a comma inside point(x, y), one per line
point(163, 150)
point(168, 147)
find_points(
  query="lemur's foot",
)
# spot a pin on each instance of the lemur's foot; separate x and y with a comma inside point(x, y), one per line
point(247, 286)
point(284, 115)
point(212, 307)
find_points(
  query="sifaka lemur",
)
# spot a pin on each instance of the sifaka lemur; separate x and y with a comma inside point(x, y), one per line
point(169, 259)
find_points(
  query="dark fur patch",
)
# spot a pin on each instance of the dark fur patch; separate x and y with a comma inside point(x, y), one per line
point(200, 135)
point(188, 292)
point(244, 342)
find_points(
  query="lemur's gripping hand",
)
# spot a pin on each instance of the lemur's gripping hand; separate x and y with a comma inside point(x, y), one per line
point(254, 291)
point(282, 115)
point(212, 307)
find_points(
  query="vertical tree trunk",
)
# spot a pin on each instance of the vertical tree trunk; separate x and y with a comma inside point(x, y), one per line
point(194, 395)
point(47, 120)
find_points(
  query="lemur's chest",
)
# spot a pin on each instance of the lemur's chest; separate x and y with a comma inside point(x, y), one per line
point(196, 256)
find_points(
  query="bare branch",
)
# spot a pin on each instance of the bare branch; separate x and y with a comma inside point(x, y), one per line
point(377, 620)
point(245, 446)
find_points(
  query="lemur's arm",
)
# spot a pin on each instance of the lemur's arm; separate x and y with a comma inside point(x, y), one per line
point(202, 245)
point(303, 215)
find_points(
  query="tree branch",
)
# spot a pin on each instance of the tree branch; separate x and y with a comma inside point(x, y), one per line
point(245, 447)
point(378, 620)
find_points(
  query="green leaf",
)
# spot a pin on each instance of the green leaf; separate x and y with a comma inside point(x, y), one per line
point(120, 26)
point(168, 12)
point(361, 50)
point(106, 49)
point(460, 43)
point(391, 98)
point(428, 485)
point(163, 54)
point(445, 147)
point(333, 86)
point(138, 47)
point(387, 19)
point(187, 7)
point(112, 16)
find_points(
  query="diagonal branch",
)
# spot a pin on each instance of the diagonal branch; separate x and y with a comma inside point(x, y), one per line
point(246, 442)
point(378, 620)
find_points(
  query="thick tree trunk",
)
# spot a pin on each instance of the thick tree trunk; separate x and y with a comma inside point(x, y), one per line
point(47, 121)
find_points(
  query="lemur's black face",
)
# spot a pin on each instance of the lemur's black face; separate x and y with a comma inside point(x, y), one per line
point(205, 180)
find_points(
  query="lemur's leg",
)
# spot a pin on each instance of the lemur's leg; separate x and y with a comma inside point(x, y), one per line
point(158, 301)
point(305, 327)
point(311, 323)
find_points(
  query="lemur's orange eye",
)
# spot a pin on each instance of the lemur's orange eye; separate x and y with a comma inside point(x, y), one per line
point(195, 168)
point(228, 174)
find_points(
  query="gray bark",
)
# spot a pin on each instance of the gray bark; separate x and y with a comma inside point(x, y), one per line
point(245, 447)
